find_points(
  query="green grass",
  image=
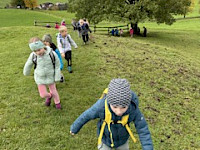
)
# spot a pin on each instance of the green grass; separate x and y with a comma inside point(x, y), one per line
point(61, 14)
point(27, 17)
point(196, 10)
point(23, 17)
point(163, 70)
point(4, 2)
point(183, 36)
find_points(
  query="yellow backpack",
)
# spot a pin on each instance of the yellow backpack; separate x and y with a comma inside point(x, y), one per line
point(108, 120)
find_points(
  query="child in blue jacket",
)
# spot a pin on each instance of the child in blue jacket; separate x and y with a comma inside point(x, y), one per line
point(47, 39)
point(117, 108)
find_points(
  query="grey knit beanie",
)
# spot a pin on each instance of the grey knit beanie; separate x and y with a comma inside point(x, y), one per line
point(47, 38)
point(119, 93)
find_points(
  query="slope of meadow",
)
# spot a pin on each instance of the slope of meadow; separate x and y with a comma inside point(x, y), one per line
point(3, 3)
point(163, 70)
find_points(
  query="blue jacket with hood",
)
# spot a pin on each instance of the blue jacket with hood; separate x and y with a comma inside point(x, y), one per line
point(119, 132)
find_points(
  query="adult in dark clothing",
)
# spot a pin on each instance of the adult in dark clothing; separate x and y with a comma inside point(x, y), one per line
point(74, 24)
point(145, 32)
point(138, 31)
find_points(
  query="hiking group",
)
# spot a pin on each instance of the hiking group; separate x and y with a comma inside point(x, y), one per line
point(48, 65)
point(116, 108)
point(82, 26)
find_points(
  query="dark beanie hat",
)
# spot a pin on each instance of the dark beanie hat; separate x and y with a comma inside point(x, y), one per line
point(47, 38)
point(119, 93)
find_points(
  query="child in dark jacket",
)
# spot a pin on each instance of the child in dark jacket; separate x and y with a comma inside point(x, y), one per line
point(117, 108)
point(84, 30)
point(47, 39)
point(112, 32)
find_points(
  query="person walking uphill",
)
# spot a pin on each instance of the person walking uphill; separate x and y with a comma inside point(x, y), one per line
point(47, 39)
point(84, 30)
point(117, 108)
point(64, 42)
point(47, 70)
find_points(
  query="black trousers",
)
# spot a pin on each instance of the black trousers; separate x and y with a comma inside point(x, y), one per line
point(85, 38)
point(68, 57)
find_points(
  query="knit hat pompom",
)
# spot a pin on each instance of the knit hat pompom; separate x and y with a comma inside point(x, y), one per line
point(119, 93)
point(47, 38)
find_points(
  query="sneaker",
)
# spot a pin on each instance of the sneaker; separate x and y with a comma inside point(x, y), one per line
point(69, 68)
point(62, 79)
point(58, 106)
point(48, 101)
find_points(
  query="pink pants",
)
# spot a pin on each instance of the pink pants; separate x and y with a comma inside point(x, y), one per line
point(53, 92)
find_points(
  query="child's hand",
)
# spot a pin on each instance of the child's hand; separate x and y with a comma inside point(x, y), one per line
point(72, 133)
point(63, 55)
point(76, 47)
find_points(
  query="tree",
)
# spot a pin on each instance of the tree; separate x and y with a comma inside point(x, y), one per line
point(199, 7)
point(134, 11)
point(189, 6)
point(31, 3)
point(17, 3)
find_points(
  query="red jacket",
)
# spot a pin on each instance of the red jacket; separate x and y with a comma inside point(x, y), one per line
point(131, 31)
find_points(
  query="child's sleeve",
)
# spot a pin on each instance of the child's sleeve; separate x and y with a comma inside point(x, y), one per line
point(91, 113)
point(143, 131)
point(88, 28)
point(28, 65)
point(59, 45)
point(72, 42)
point(60, 58)
point(57, 68)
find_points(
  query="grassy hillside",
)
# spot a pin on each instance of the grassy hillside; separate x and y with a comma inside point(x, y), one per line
point(196, 10)
point(4, 2)
point(27, 17)
point(163, 70)
point(15, 17)
point(182, 36)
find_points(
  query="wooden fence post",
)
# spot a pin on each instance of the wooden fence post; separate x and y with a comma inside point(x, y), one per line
point(94, 28)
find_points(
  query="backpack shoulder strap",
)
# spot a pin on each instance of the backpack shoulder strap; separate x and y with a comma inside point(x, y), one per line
point(68, 39)
point(52, 59)
point(105, 92)
point(34, 59)
point(124, 122)
point(60, 37)
point(108, 120)
point(61, 42)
